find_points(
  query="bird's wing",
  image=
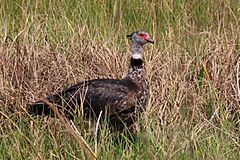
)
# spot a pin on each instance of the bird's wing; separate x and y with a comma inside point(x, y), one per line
point(113, 95)
point(116, 94)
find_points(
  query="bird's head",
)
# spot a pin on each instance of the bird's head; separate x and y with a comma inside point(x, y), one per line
point(140, 38)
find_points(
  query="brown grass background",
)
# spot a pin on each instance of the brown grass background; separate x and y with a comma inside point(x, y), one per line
point(29, 71)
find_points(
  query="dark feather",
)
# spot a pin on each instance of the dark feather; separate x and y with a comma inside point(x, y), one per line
point(113, 97)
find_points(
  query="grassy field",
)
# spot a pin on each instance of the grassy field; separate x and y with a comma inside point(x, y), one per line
point(193, 73)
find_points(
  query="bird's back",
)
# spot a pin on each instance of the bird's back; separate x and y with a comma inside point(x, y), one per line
point(109, 96)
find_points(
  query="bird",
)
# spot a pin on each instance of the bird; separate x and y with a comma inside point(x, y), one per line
point(120, 100)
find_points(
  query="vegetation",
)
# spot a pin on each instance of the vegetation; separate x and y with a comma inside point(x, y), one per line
point(193, 72)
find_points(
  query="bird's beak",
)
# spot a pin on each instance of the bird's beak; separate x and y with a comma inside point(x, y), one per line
point(150, 40)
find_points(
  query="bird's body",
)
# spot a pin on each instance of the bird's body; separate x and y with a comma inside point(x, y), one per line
point(119, 100)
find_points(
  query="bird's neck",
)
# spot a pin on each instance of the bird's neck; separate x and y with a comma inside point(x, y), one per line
point(137, 72)
point(136, 64)
point(136, 56)
point(136, 51)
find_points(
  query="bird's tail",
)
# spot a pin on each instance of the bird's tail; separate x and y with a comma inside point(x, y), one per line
point(39, 108)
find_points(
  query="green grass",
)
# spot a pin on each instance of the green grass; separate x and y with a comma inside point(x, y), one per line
point(181, 141)
point(193, 73)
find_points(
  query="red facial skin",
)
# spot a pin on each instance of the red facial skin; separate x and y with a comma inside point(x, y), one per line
point(145, 37)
